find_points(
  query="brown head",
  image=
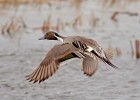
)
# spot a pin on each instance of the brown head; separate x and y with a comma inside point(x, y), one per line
point(49, 35)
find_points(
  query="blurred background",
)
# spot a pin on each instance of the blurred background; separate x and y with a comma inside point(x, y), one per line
point(112, 23)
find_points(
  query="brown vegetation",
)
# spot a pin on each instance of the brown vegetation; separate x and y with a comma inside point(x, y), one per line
point(14, 25)
point(113, 17)
point(118, 51)
point(132, 49)
point(21, 1)
point(117, 2)
point(137, 45)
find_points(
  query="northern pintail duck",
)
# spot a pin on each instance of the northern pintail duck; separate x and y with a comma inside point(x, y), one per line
point(71, 47)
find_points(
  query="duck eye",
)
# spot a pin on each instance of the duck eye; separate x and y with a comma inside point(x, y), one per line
point(56, 34)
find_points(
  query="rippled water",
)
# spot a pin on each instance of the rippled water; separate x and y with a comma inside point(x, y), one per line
point(69, 82)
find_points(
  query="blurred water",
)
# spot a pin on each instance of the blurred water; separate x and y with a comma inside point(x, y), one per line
point(69, 82)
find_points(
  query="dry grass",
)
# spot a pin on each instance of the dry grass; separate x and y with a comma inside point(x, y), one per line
point(135, 53)
point(60, 25)
point(113, 17)
point(137, 45)
point(93, 20)
point(46, 26)
point(111, 3)
point(132, 49)
point(21, 1)
point(76, 3)
point(118, 51)
point(14, 25)
point(77, 21)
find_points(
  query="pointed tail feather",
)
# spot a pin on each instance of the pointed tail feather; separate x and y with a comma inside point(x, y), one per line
point(105, 60)
point(109, 63)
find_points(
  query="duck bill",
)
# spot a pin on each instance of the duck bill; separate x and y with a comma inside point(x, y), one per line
point(42, 38)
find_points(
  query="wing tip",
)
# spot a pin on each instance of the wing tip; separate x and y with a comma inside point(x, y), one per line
point(89, 75)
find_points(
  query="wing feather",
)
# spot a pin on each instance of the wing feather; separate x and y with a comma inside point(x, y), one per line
point(89, 65)
point(109, 53)
point(36, 73)
point(43, 73)
point(51, 63)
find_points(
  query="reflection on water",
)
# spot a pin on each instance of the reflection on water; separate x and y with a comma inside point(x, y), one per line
point(21, 54)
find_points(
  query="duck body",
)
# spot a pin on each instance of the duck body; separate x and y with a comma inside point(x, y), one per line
point(71, 47)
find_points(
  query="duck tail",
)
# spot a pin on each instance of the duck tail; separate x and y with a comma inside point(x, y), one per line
point(105, 59)
point(108, 62)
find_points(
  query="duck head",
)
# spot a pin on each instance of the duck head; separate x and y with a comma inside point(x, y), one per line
point(50, 36)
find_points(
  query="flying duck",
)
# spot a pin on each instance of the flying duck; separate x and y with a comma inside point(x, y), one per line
point(71, 47)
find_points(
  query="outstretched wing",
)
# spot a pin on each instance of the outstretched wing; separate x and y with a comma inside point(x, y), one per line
point(51, 62)
point(89, 65)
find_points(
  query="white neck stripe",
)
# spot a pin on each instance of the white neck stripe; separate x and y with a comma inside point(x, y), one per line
point(60, 39)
